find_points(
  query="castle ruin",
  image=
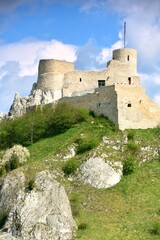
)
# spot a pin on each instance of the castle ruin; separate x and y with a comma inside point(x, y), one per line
point(114, 92)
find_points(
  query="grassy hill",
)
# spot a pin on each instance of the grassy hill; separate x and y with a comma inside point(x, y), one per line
point(129, 210)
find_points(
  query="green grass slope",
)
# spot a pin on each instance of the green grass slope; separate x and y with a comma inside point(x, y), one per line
point(129, 210)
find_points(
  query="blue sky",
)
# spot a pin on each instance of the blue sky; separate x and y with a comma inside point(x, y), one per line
point(82, 31)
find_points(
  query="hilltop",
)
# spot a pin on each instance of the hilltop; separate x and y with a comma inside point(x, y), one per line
point(60, 143)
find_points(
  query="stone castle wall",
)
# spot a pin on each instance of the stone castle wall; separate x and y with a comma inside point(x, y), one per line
point(135, 109)
point(121, 98)
point(102, 101)
point(128, 107)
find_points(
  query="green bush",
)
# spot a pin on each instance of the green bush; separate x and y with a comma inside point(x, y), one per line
point(84, 145)
point(30, 185)
point(129, 165)
point(40, 123)
point(3, 218)
point(12, 164)
point(70, 167)
point(155, 229)
point(64, 117)
point(130, 135)
point(2, 170)
point(132, 147)
point(82, 226)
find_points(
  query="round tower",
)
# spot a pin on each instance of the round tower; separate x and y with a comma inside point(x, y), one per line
point(127, 56)
point(51, 74)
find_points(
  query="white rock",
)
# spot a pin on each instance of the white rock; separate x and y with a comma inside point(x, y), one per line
point(71, 153)
point(22, 154)
point(100, 174)
point(37, 97)
point(42, 213)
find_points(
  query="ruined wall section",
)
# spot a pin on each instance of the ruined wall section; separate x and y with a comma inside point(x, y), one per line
point(135, 109)
point(102, 101)
point(121, 70)
point(79, 83)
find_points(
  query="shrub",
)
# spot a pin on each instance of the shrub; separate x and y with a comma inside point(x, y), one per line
point(3, 218)
point(2, 170)
point(64, 117)
point(132, 147)
point(70, 167)
point(82, 226)
point(12, 164)
point(129, 165)
point(84, 145)
point(155, 229)
point(30, 185)
point(130, 135)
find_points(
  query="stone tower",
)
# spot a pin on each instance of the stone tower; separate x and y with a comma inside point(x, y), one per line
point(51, 74)
point(127, 56)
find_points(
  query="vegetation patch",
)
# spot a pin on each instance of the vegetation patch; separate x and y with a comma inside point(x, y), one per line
point(2, 170)
point(155, 229)
point(131, 146)
point(3, 218)
point(129, 165)
point(70, 166)
point(82, 226)
point(84, 145)
point(30, 185)
point(13, 163)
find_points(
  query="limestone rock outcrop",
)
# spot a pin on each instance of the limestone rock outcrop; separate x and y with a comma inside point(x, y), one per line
point(41, 212)
point(21, 153)
point(36, 98)
point(100, 174)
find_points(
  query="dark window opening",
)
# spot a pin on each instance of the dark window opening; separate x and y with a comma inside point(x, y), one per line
point(129, 80)
point(129, 105)
point(128, 57)
point(101, 83)
point(80, 79)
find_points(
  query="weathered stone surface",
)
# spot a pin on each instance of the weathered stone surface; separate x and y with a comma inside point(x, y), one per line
point(9, 190)
point(37, 97)
point(41, 213)
point(22, 154)
point(100, 174)
point(7, 236)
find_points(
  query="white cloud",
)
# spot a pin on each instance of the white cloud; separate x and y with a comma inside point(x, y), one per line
point(106, 53)
point(19, 65)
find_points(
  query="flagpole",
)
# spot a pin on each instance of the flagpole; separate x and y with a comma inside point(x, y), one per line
point(124, 34)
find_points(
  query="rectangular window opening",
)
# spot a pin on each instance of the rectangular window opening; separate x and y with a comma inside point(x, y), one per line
point(129, 80)
point(101, 83)
point(128, 57)
point(80, 79)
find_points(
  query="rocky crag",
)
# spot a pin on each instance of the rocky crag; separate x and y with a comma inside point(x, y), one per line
point(36, 98)
point(38, 211)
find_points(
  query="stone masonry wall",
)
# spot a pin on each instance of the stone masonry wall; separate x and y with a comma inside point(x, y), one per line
point(135, 109)
point(51, 74)
point(102, 101)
